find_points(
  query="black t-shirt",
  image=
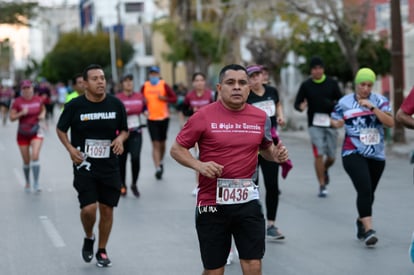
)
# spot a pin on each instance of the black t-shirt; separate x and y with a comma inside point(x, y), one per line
point(321, 97)
point(92, 126)
point(267, 102)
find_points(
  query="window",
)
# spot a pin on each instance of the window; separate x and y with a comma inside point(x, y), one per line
point(134, 7)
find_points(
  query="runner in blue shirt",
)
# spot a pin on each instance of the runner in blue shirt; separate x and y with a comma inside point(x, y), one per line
point(364, 114)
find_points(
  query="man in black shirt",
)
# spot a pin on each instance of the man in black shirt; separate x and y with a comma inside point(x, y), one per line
point(98, 128)
point(319, 94)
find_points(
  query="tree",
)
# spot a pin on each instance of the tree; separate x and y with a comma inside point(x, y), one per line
point(345, 24)
point(199, 43)
point(74, 51)
point(225, 20)
point(372, 53)
point(16, 13)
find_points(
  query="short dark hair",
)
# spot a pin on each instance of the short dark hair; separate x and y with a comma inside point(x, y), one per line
point(88, 68)
point(316, 61)
point(235, 67)
point(75, 77)
point(197, 74)
point(127, 76)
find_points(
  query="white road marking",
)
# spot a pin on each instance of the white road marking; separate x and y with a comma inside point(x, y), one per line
point(52, 232)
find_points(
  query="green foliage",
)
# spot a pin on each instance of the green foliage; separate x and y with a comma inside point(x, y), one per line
point(171, 33)
point(74, 51)
point(372, 53)
point(200, 40)
point(376, 55)
point(16, 13)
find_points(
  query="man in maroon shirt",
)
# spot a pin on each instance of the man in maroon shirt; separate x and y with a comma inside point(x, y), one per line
point(229, 134)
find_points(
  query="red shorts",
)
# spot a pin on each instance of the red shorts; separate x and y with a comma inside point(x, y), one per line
point(23, 140)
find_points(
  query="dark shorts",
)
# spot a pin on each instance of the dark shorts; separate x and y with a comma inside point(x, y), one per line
point(158, 129)
point(5, 104)
point(217, 224)
point(92, 190)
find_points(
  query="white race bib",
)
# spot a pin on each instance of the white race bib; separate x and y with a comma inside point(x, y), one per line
point(369, 136)
point(133, 121)
point(98, 148)
point(321, 120)
point(235, 191)
point(268, 106)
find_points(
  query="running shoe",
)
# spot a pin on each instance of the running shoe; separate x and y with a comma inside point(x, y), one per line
point(102, 259)
point(37, 188)
point(272, 233)
point(158, 173)
point(135, 191)
point(360, 229)
point(326, 177)
point(322, 192)
point(123, 191)
point(87, 249)
point(369, 238)
point(27, 188)
point(411, 250)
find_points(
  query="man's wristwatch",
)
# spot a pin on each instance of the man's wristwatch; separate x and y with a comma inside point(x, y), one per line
point(372, 108)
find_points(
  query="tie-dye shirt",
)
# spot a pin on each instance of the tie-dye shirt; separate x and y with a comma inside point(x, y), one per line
point(364, 133)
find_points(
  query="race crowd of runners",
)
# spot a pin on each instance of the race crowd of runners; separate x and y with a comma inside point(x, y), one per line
point(229, 133)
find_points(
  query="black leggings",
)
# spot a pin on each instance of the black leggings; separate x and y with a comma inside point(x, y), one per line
point(270, 171)
point(133, 146)
point(365, 174)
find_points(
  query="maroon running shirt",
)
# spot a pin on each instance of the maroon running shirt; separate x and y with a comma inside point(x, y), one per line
point(33, 106)
point(408, 104)
point(229, 138)
point(196, 102)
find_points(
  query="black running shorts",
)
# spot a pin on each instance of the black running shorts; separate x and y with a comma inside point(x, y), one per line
point(92, 190)
point(217, 224)
point(158, 129)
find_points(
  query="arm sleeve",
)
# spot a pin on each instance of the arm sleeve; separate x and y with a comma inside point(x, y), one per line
point(300, 97)
point(172, 97)
point(64, 118)
point(408, 104)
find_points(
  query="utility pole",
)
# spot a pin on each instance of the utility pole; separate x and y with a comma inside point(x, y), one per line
point(119, 63)
point(397, 65)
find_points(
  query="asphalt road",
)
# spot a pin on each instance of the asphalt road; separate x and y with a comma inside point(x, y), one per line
point(42, 234)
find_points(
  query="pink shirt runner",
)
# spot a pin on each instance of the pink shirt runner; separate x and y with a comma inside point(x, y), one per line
point(230, 138)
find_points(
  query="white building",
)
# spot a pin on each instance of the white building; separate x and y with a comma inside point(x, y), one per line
point(34, 42)
point(130, 19)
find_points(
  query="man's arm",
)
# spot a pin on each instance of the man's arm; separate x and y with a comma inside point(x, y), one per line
point(171, 96)
point(300, 100)
point(405, 119)
point(118, 143)
point(75, 154)
point(277, 153)
point(183, 156)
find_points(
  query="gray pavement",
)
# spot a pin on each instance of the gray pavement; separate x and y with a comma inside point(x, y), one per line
point(41, 234)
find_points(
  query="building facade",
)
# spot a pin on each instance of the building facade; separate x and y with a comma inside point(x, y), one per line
point(132, 21)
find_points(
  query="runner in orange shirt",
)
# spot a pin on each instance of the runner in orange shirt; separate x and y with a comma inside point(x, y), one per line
point(157, 95)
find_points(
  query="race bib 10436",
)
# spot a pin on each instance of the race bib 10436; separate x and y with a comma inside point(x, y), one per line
point(235, 191)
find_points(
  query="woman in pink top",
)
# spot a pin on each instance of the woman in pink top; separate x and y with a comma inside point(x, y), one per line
point(199, 97)
point(29, 109)
point(134, 105)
